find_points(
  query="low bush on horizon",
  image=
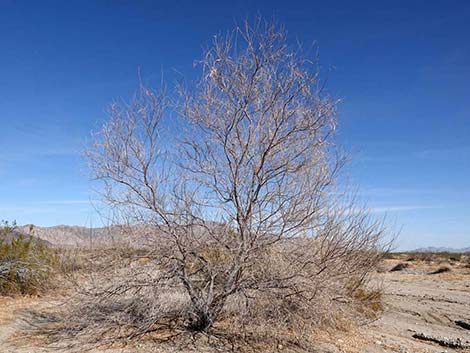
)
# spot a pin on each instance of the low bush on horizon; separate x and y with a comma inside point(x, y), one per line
point(427, 256)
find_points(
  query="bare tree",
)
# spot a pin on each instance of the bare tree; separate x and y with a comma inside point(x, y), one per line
point(242, 201)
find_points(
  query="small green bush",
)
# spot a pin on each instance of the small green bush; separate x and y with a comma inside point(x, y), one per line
point(26, 263)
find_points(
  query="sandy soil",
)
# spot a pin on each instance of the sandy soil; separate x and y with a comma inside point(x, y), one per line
point(414, 302)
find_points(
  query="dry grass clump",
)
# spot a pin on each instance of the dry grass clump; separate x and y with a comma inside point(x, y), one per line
point(77, 261)
point(370, 301)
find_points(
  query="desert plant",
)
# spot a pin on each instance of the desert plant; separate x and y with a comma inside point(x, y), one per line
point(244, 209)
point(432, 256)
point(26, 263)
point(467, 260)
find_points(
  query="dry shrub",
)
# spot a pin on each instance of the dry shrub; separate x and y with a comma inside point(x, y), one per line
point(465, 259)
point(433, 256)
point(289, 291)
point(422, 256)
point(117, 299)
point(73, 261)
point(249, 223)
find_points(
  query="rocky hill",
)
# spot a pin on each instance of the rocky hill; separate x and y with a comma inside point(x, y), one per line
point(72, 236)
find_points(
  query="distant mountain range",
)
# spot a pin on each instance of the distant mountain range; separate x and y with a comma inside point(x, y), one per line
point(63, 235)
point(442, 249)
point(71, 236)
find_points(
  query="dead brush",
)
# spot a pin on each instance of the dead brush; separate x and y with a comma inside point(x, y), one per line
point(112, 305)
point(248, 221)
point(282, 300)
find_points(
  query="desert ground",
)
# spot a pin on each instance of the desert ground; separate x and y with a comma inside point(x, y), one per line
point(418, 302)
point(420, 314)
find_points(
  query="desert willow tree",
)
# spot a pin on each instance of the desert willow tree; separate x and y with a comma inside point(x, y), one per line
point(243, 203)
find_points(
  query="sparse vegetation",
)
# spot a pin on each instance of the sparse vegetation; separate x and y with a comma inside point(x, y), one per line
point(26, 264)
point(467, 260)
point(439, 257)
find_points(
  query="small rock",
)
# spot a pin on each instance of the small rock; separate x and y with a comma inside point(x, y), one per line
point(399, 267)
point(463, 324)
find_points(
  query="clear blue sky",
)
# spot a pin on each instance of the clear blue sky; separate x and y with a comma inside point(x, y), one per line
point(402, 69)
